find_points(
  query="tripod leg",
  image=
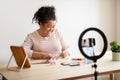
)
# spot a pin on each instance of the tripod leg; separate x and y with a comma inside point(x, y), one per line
point(95, 74)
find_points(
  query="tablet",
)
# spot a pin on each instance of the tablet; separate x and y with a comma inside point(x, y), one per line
point(19, 56)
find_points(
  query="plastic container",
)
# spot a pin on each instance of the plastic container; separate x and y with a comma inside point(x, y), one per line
point(88, 51)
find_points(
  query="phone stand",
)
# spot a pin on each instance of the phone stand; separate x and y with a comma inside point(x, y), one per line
point(94, 57)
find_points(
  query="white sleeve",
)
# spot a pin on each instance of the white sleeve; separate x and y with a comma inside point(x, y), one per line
point(27, 44)
point(64, 44)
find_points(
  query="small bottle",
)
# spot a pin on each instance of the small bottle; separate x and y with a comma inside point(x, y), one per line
point(87, 61)
point(88, 51)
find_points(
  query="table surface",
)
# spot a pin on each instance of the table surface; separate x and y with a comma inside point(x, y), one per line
point(58, 71)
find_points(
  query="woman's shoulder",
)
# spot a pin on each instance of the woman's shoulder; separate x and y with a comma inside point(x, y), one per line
point(58, 31)
point(33, 34)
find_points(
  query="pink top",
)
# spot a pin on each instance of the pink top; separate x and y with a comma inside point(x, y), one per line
point(54, 44)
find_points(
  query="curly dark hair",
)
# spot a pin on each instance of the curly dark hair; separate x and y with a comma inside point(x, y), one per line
point(44, 14)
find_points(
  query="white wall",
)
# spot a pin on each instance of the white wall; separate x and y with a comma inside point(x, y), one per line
point(118, 20)
point(73, 17)
point(108, 18)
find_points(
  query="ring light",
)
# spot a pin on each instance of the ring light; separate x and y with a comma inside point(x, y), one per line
point(94, 58)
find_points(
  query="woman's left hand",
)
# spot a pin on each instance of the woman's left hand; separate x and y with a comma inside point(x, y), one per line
point(64, 54)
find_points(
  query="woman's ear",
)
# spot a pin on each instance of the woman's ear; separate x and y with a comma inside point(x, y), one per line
point(41, 24)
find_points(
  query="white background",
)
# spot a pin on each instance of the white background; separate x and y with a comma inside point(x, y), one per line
point(73, 16)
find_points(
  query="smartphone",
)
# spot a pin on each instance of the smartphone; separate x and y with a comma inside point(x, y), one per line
point(71, 63)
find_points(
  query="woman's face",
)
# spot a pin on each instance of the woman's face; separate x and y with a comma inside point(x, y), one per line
point(48, 27)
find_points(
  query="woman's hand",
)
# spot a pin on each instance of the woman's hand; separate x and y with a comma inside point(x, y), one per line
point(47, 56)
point(64, 54)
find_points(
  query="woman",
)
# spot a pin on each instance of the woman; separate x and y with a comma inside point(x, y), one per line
point(46, 42)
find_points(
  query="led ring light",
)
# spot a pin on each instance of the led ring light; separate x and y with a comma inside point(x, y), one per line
point(94, 58)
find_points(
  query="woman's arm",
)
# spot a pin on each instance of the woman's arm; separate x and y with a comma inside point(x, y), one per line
point(28, 44)
point(41, 55)
point(65, 47)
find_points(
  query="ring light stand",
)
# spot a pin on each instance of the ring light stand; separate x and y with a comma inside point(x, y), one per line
point(94, 57)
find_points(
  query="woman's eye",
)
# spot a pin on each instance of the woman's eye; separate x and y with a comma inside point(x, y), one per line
point(51, 27)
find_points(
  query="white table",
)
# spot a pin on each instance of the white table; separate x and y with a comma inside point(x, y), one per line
point(59, 72)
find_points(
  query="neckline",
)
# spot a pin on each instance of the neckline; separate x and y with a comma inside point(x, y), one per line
point(45, 38)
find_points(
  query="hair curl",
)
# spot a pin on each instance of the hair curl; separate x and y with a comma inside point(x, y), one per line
point(44, 14)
